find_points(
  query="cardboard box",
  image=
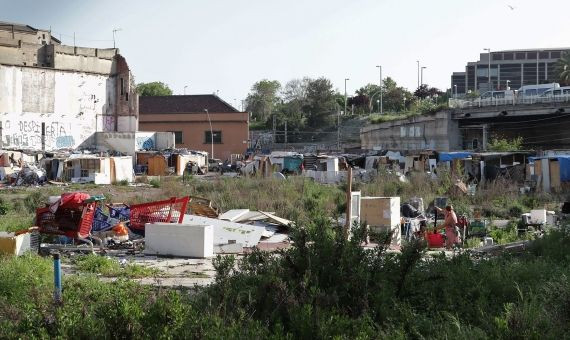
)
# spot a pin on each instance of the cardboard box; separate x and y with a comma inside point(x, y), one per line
point(12, 244)
point(382, 214)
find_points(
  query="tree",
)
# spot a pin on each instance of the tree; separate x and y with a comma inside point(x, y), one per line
point(321, 103)
point(395, 98)
point(503, 144)
point(155, 88)
point(562, 69)
point(262, 99)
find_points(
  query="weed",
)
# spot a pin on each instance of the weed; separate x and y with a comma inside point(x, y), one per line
point(111, 267)
point(155, 183)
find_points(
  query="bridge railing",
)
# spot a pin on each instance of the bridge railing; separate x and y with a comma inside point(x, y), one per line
point(478, 102)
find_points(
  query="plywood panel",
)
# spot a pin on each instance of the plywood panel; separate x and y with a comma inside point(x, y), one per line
point(555, 182)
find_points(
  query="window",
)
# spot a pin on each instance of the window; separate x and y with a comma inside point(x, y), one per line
point(508, 56)
point(217, 137)
point(544, 55)
point(122, 86)
point(496, 56)
point(555, 54)
point(178, 137)
point(520, 55)
point(475, 143)
point(402, 131)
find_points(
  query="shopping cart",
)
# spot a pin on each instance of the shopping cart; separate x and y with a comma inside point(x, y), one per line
point(167, 211)
point(73, 221)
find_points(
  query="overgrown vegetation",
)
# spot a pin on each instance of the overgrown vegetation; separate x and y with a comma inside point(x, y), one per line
point(322, 287)
point(110, 267)
point(504, 144)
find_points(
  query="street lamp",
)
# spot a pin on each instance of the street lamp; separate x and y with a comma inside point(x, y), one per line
point(185, 86)
point(417, 61)
point(381, 102)
point(489, 69)
point(422, 75)
point(455, 88)
point(211, 132)
point(345, 98)
point(114, 31)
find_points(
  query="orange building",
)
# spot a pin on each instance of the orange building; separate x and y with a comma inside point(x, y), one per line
point(189, 117)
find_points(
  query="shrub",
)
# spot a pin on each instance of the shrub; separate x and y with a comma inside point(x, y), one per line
point(155, 183)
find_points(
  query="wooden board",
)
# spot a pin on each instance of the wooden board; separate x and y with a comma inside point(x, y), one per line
point(156, 166)
point(555, 182)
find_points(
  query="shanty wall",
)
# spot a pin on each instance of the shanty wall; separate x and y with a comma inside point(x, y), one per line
point(56, 108)
point(436, 132)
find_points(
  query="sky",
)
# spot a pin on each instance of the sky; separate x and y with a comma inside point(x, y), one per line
point(225, 46)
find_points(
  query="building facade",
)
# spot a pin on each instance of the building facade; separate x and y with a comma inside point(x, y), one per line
point(515, 67)
point(54, 96)
point(187, 117)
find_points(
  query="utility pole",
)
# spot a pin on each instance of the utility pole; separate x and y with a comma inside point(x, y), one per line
point(348, 222)
point(345, 98)
point(381, 101)
point(115, 30)
point(285, 133)
point(337, 126)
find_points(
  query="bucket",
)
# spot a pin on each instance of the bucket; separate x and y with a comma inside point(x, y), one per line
point(435, 240)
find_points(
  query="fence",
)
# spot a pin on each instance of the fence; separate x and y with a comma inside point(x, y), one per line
point(462, 103)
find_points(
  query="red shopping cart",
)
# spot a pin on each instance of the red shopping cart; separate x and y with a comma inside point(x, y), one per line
point(74, 221)
point(167, 211)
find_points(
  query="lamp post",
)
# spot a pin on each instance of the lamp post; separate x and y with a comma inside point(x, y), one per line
point(185, 86)
point(422, 75)
point(211, 132)
point(455, 88)
point(417, 61)
point(345, 98)
point(489, 69)
point(381, 101)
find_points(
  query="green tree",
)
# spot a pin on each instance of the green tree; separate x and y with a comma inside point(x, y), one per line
point(563, 69)
point(155, 88)
point(321, 103)
point(262, 99)
point(395, 98)
point(503, 144)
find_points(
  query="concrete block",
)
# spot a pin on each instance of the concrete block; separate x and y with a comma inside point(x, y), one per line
point(11, 244)
point(185, 240)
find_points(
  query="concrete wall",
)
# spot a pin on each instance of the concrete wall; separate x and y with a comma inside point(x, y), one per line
point(64, 107)
point(436, 132)
point(234, 128)
point(129, 142)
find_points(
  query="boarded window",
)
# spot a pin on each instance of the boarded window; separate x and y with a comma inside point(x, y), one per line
point(402, 131)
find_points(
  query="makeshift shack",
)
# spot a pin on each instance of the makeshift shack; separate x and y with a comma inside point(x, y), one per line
point(82, 168)
point(551, 173)
point(382, 214)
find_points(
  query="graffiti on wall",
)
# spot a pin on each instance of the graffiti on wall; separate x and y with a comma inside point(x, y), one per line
point(108, 123)
point(145, 143)
point(35, 134)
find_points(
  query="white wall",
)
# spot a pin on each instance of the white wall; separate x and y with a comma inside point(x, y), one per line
point(70, 105)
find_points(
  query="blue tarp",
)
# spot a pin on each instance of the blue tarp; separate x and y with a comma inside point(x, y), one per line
point(449, 156)
point(564, 161)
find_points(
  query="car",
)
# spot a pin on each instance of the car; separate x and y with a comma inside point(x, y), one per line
point(214, 164)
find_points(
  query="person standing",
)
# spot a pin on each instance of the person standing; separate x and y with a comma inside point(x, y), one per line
point(450, 224)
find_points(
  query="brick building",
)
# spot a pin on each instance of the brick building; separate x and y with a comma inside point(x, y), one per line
point(187, 117)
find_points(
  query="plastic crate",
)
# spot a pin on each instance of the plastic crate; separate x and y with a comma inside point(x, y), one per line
point(100, 220)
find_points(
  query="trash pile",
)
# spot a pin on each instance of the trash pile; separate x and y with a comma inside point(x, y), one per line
point(78, 220)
